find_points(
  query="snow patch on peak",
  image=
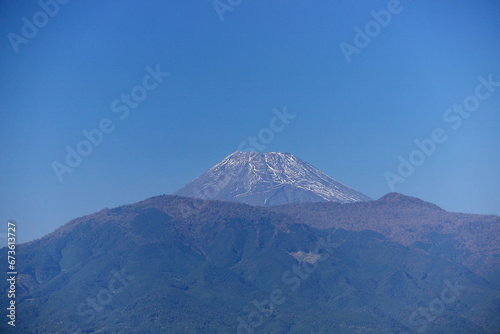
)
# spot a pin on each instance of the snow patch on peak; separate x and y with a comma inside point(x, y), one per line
point(268, 178)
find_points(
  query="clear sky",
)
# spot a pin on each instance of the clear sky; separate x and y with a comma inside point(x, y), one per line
point(353, 119)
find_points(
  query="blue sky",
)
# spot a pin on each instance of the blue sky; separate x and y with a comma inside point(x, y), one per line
point(225, 78)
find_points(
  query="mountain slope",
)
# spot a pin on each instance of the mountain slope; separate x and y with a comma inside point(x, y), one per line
point(268, 179)
point(151, 267)
point(470, 239)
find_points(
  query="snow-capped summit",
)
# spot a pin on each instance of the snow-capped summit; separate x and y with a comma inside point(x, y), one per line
point(271, 178)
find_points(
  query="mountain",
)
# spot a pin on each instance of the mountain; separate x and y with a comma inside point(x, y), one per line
point(268, 179)
point(470, 239)
point(173, 264)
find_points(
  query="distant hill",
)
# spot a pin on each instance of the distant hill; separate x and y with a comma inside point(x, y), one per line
point(470, 239)
point(268, 179)
point(172, 264)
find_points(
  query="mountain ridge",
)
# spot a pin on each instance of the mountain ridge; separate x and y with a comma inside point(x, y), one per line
point(200, 272)
point(410, 221)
